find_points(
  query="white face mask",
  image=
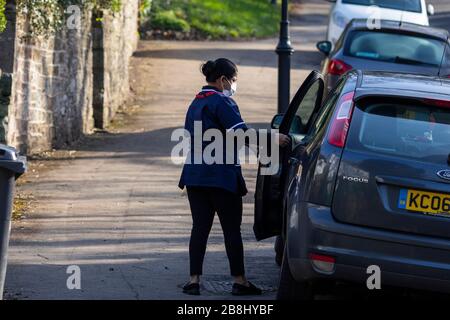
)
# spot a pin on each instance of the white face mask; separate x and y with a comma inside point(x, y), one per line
point(232, 91)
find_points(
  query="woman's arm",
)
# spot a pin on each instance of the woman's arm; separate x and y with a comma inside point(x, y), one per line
point(230, 119)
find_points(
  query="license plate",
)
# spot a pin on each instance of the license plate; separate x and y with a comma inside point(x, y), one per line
point(425, 202)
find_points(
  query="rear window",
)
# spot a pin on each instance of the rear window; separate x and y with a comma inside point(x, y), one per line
point(404, 128)
point(445, 70)
point(395, 48)
point(404, 5)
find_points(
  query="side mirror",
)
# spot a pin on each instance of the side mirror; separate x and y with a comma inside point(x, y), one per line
point(276, 121)
point(324, 47)
point(430, 10)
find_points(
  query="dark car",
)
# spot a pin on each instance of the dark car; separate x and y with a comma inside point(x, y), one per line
point(394, 47)
point(365, 183)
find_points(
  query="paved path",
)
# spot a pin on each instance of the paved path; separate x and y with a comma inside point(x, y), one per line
point(113, 207)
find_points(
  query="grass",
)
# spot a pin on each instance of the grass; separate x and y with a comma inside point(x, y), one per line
point(216, 19)
point(2, 15)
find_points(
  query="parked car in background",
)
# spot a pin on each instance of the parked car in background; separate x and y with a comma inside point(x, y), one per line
point(395, 47)
point(343, 11)
point(366, 182)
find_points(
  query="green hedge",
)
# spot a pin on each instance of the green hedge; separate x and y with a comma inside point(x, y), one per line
point(167, 20)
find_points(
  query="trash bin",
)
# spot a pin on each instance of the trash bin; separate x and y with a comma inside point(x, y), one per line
point(12, 166)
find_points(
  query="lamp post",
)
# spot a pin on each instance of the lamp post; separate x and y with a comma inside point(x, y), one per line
point(284, 51)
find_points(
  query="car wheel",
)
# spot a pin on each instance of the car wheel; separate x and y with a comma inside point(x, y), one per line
point(279, 249)
point(289, 288)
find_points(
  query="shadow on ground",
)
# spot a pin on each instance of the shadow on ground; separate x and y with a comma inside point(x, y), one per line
point(303, 60)
point(143, 148)
point(126, 273)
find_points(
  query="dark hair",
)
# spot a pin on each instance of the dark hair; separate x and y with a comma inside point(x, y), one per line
point(213, 70)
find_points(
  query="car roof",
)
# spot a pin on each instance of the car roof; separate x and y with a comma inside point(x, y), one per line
point(388, 25)
point(389, 83)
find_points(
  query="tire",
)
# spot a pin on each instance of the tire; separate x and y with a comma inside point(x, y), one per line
point(279, 249)
point(289, 288)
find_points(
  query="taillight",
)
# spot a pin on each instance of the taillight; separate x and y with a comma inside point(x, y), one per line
point(322, 263)
point(338, 67)
point(341, 122)
point(438, 103)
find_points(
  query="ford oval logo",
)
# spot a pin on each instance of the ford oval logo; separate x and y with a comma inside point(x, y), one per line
point(444, 174)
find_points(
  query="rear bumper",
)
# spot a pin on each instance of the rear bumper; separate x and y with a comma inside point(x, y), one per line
point(405, 260)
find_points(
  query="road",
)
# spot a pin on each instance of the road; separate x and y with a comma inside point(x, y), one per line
point(111, 205)
point(442, 17)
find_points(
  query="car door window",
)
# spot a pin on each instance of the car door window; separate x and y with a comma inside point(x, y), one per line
point(305, 111)
point(303, 107)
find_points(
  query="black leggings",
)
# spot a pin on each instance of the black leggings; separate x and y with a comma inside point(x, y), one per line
point(205, 202)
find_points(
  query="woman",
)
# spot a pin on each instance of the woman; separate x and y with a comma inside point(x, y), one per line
point(216, 187)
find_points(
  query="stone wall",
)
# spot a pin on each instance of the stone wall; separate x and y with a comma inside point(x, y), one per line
point(114, 44)
point(7, 39)
point(51, 101)
point(53, 94)
point(5, 94)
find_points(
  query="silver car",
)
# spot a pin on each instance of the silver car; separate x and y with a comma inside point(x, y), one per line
point(394, 47)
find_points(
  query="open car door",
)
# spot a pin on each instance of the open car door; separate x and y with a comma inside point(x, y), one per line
point(295, 123)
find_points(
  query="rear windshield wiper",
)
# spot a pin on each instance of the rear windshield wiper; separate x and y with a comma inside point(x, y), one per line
point(399, 59)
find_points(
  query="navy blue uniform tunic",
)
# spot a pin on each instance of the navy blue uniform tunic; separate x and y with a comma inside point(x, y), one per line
point(215, 111)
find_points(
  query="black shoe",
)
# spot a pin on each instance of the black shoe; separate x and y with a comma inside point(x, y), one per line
point(192, 289)
point(241, 290)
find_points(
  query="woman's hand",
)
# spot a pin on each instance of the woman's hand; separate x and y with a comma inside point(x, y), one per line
point(283, 140)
